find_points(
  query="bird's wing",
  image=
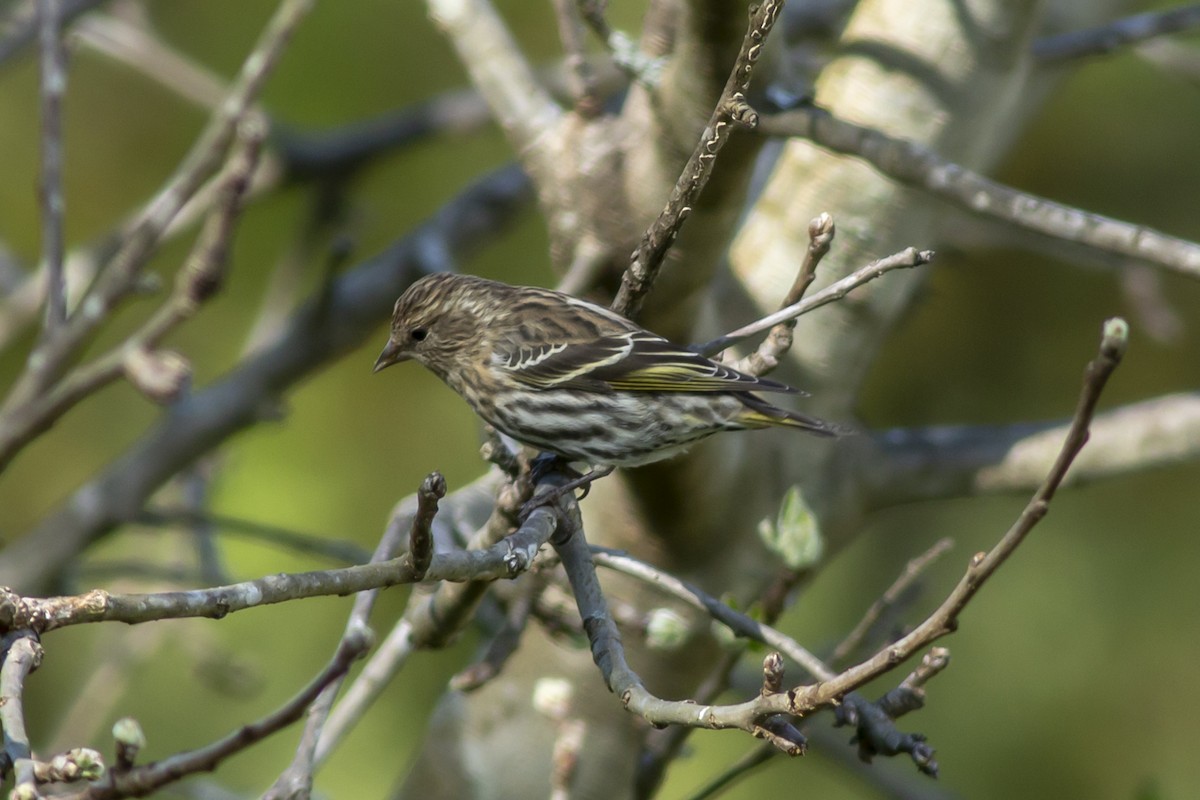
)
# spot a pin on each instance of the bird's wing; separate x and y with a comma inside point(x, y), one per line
point(634, 360)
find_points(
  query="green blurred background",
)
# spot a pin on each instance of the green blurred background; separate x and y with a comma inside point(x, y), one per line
point(1073, 674)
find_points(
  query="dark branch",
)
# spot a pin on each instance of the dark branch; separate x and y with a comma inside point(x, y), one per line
point(1120, 33)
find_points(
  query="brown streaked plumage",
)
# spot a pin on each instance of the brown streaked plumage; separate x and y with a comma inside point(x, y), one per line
point(571, 377)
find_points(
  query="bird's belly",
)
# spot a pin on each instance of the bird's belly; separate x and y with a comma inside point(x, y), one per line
point(619, 428)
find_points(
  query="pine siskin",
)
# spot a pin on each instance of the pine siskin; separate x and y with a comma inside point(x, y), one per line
point(571, 377)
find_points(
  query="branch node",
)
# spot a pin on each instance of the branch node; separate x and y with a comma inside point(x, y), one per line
point(773, 672)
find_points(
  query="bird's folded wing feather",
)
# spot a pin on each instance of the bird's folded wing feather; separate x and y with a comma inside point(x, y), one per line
point(634, 361)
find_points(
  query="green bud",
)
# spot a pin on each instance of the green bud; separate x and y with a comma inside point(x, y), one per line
point(794, 535)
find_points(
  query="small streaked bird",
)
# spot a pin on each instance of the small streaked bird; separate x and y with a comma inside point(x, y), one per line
point(573, 378)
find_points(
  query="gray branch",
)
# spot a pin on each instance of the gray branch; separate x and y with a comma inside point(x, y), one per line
point(316, 334)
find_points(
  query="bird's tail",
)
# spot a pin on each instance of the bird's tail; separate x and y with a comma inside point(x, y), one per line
point(758, 413)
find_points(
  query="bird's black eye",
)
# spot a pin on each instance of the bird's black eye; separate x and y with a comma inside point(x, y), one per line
point(418, 334)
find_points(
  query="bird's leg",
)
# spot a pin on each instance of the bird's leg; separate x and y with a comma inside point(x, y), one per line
point(545, 464)
point(584, 480)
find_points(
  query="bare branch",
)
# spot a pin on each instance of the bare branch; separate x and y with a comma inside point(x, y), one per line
point(912, 571)
point(502, 75)
point(48, 360)
point(766, 357)
point(296, 780)
point(731, 110)
point(53, 87)
point(160, 376)
point(432, 619)
point(420, 538)
point(957, 460)
point(21, 33)
point(624, 51)
point(143, 780)
point(741, 624)
point(754, 715)
point(913, 165)
point(502, 560)
point(905, 259)
point(22, 654)
point(581, 83)
point(358, 300)
point(983, 565)
point(313, 544)
point(141, 48)
point(1105, 39)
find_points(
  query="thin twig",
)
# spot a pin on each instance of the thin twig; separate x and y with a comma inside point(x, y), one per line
point(912, 571)
point(735, 772)
point(53, 87)
point(160, 376)
point(420, 537)
point(914, 165)
point(731, 111)
point(345, 552)
point(144, 780)
point(504, 642)
point(983, 565)
point(1114, 35)
point(765, 357)
point(136, 45)
point(581, 83)
point(741, 624)
point(47, 361)
point(624, 51)
point(361, 298)
point(905, 259)
point(21, 32)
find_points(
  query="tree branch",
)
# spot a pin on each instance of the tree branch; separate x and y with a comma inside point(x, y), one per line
point(53, 87)
point(905, 259)
point(1104, 39)
point(140, 781)
point(910, 465)
point(914, 165)
point(315, 334)
point(731, 109)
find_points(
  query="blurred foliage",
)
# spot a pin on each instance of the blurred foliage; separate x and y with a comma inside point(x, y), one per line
point(1065, 656)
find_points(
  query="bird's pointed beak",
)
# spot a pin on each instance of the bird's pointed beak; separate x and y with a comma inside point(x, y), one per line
point(391, 355)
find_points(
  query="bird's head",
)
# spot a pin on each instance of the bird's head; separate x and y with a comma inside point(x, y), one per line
point(438, 322)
